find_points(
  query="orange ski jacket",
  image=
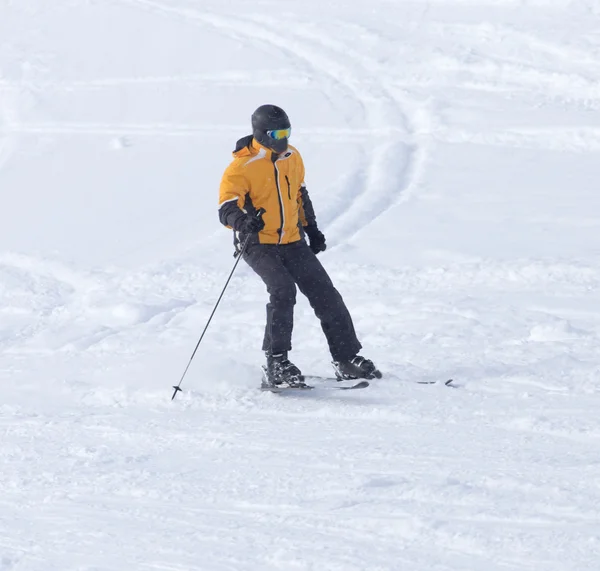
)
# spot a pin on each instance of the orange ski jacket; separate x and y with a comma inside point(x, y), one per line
point(258, 178)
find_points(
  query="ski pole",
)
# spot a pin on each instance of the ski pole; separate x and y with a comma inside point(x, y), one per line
point(238, 258)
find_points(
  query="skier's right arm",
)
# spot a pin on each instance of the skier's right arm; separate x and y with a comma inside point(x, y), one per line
point(232, 195)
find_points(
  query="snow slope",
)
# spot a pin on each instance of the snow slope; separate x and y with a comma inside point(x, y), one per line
point(452, 152)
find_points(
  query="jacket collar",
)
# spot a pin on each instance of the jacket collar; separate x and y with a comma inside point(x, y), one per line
point(269, 154)
point(266, 152)
point(249, 146)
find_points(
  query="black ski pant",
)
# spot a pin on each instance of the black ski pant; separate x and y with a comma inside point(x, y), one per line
point(284, 267)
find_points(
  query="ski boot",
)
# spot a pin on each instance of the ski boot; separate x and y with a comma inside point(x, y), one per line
point(355, 368)
point(281, 373)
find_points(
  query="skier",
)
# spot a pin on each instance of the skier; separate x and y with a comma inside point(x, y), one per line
point(267, 173)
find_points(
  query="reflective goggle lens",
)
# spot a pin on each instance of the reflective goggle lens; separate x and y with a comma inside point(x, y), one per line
point(280, 133)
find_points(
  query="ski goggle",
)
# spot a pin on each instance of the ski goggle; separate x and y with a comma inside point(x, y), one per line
point(278, 134)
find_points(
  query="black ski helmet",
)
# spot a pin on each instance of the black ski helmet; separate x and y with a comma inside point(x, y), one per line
point(270, 118)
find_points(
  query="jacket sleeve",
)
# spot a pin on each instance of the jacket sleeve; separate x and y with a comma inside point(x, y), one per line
point(307, 212)
point(305, 207)
point(232, 195)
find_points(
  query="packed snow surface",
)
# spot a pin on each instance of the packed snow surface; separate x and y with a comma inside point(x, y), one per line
point(452, 151)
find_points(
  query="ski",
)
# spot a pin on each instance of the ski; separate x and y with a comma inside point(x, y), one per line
point(279, 390)
point(448, 383)
point(335, 384)
point(274, 389)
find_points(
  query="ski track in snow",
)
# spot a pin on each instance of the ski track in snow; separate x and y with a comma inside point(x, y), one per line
point(100, 471)
point(389, 171)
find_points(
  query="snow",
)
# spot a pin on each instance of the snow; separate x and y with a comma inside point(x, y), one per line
point(452, 157)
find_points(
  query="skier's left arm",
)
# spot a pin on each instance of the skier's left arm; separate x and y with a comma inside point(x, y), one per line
point(306, 210)
point(309, 220)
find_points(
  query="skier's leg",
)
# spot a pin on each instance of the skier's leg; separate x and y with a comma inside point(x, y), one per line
point(266, 261)
point(327, 303)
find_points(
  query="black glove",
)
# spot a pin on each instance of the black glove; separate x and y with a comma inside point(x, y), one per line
point(251, 224)
point(317, 240)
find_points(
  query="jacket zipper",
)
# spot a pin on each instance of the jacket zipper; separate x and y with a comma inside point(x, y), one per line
point(289, 189)
point(281, 211)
